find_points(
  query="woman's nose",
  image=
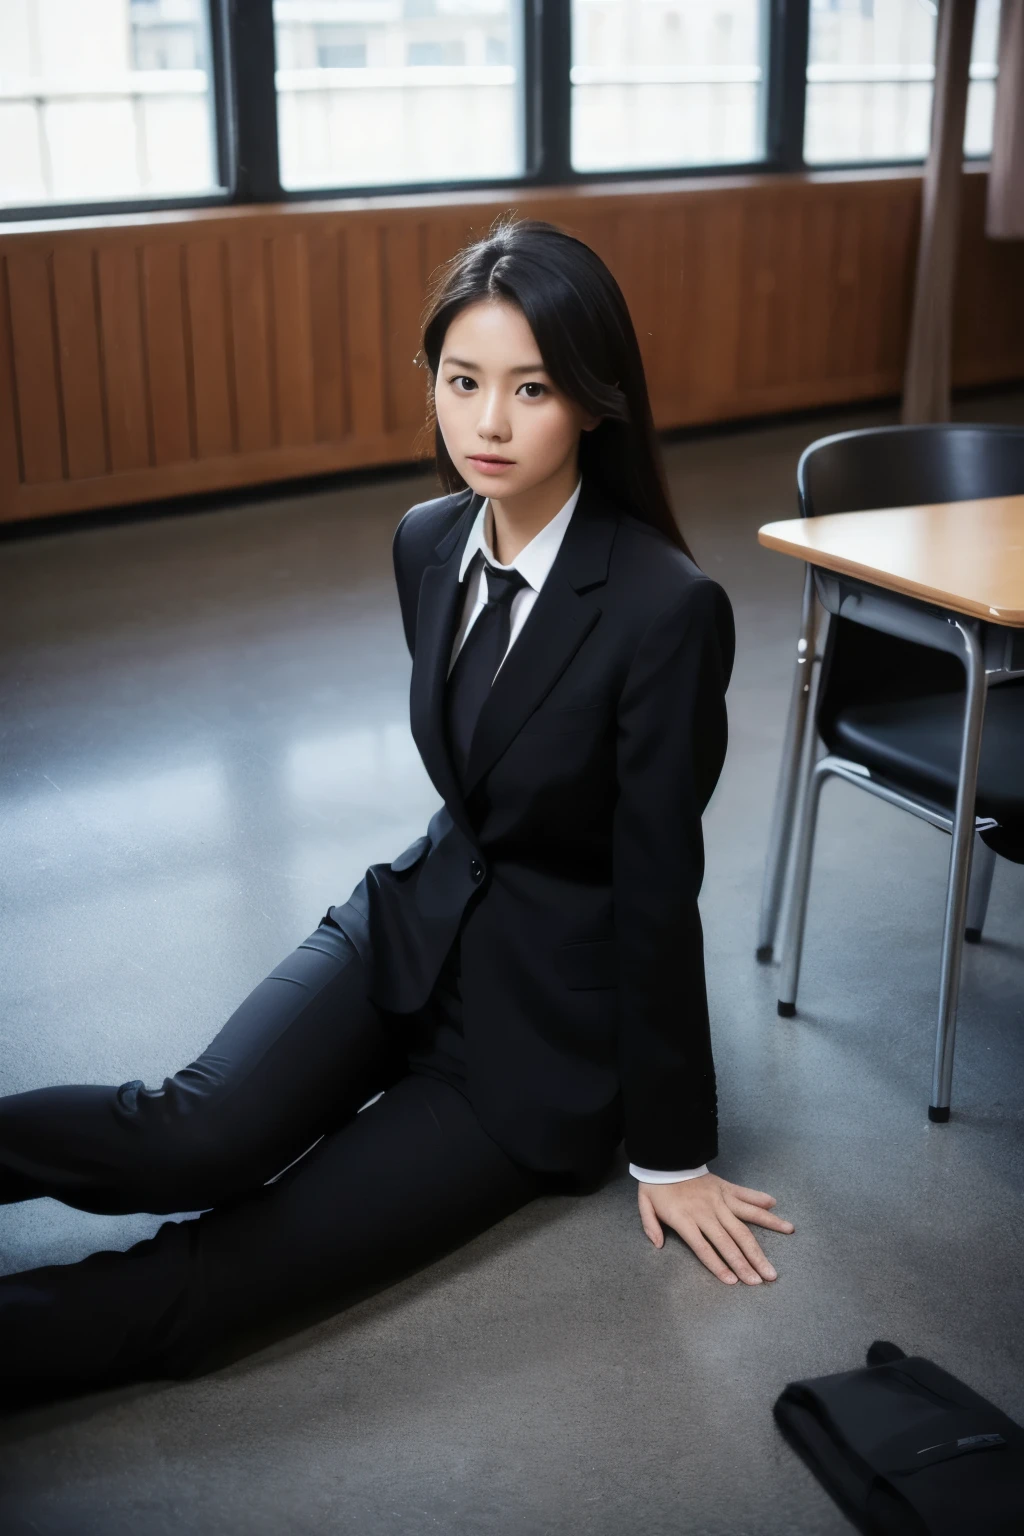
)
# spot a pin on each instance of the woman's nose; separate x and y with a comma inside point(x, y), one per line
point(493, 419)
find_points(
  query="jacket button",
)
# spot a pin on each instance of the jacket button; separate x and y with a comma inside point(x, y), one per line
point(476, 869)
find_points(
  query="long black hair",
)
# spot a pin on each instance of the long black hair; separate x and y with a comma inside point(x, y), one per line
point(582, 325)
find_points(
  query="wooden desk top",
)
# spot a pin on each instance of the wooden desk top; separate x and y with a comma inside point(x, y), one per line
point(964, 555)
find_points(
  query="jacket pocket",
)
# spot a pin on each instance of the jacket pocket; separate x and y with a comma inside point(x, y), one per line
point(592, 963)
point(412, 854)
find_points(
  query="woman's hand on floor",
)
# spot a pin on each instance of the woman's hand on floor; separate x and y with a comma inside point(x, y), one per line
point(710, 1215)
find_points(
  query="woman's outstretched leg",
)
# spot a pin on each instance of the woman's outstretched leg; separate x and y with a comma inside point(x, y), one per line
point(410, 1178)
point(303, 1051)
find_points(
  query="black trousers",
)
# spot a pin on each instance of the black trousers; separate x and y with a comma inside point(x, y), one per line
point(308, 1195)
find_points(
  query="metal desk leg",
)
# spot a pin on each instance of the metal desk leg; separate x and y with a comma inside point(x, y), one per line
point(959, 869)
point(983, 865)
point(796, 916)
point(789, 775)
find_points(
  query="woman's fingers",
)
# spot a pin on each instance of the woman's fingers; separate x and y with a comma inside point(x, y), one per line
point(720, 1238)
point(691, 1236)
point(749, 1246)
point(649, 1220)
point(759, 1217)
point(754, 1196)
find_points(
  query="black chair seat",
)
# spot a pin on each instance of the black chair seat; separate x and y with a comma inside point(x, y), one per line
point(914, 745)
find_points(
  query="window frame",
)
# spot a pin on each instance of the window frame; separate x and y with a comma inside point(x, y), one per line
point(246, 133)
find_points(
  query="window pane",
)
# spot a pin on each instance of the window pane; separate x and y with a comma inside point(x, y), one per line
point(870, 74)
point(103, 99)
point(384, 92)
point(667, 83)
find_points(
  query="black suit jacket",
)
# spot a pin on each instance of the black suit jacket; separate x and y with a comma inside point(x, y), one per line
point(572, 853)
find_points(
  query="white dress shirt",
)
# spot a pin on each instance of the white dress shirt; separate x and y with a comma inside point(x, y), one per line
point(533, 561)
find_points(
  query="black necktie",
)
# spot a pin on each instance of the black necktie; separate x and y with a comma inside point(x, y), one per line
point(478, 661)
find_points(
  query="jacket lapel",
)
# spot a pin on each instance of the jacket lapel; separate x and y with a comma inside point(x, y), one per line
point(556, 626)
point(437, 619)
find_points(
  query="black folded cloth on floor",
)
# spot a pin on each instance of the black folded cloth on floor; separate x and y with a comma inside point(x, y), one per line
point(908, 1450)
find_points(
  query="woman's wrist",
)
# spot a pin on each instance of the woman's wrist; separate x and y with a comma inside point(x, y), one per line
point(662, 1176)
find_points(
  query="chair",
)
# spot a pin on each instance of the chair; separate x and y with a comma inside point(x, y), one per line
point(895, 697)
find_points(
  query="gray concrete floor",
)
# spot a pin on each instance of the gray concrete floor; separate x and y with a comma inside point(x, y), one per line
point(205, 742)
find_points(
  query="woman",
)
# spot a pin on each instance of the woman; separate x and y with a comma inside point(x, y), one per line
point(491, 1012)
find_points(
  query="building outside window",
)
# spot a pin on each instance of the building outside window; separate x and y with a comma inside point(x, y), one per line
point(105, 99)
point(379, 92)
point(659, 83)
point(870, 74)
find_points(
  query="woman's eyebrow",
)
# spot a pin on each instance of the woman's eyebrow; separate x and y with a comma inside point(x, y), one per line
point(462, 362)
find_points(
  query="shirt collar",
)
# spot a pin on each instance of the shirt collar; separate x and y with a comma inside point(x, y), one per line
point(535, 559)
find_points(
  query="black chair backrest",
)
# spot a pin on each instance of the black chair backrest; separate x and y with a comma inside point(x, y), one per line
point(899, 467)
point(909, 466)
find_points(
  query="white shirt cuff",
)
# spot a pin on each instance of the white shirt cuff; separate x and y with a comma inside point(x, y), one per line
point(659, 1176)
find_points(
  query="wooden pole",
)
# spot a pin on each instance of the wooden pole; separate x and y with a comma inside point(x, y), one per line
point(926, 383)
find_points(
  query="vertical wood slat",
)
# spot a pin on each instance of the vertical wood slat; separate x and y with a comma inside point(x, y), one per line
point(206, 343)
point(164, 324)
point(363, 309)
point(291, 339)
point(10, 449)
point(124, 369)
point(250, 363)
point(81, 377)
point(329, 342)
point(35, 365)
point(402, 292)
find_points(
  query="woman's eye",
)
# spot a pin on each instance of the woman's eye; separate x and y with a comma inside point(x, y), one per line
point(540, 388)
point(462, 378)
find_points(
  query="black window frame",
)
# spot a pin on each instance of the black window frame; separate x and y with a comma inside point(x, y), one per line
point(245, 109)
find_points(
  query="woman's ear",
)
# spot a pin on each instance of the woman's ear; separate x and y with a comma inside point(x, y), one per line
point(590, 422)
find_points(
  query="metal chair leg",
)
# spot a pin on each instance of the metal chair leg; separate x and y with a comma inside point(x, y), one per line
point(983, 864)
point(789, 775)
point(959, 869)
point(793, 938)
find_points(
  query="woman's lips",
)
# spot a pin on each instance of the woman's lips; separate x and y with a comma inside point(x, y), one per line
point(490, 466)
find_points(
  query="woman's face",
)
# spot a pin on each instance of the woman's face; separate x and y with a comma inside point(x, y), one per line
point(507, 428)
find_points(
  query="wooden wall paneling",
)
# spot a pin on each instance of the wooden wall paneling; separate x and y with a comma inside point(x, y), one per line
point(363, 312)
point(37, 386)
point(404, 264)
point(899, 257)
point(164, 324)
point(819, 299)
point(759, 298)
point(712, 279)
point(869, 258)
point(791, 279)
point(636, 259)
point(76, 307)
point(328, 339)
point(251, 353)
point(125, 373)
point(291, 337)
point(988, 335)
point(10, 455)
point(225, 348)
point(206, 348)
point(851, 298)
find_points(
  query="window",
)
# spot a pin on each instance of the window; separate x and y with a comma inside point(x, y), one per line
point(981, 93)
point(395, 92)
point(105, 99)
point(870, 75)
point(667, 82)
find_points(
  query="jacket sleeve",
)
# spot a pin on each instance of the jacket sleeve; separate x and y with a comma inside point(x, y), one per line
point(671, 741)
